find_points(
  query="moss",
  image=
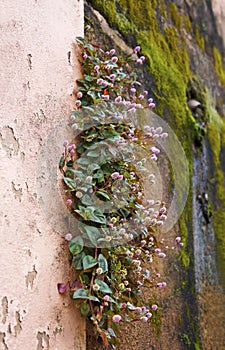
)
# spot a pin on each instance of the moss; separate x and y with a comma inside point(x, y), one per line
point(217, 140)
point(218, 63)
point(199, 38)
point(187, 24)
point(176, 18)
point(162, 8)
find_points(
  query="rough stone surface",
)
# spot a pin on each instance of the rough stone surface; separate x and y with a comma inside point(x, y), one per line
point(36, 73)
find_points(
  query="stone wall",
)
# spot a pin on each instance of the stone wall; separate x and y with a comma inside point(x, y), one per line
point(38, 65)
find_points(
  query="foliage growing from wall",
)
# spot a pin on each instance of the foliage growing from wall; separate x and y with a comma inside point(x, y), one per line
point(115, 248)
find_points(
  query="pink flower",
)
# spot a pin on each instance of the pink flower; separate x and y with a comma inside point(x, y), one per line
point(149, 314)
point(141, 97)
point(114, 59)
point(159, 223)
point(181, 244)
point(154, 307)
point(137, 49)
point(100, 81)
point(159, 285)
point(145, 92)
point(153, 157)
point(155, 150)
point(139, 61)
point(133, 90)
point(115, 175)
point(118, 99)
point(111, 52)
point(142, 58)
point(116, 318)
point(96, 68)
point(120, 177)
point(68, 236)
point(157, 250)
point(162, 255)
point(158, 275)
point(79, 94)
point(164, 284)
point(106, 298)
point(138, 310)
point(124, 305)
point(178, 239)
point(69, 202)
point(144, 319)
point(78, 103)
point(85, 56)
point(164, 135)
point(105, 97)
point(112, 76)
point(151, 105)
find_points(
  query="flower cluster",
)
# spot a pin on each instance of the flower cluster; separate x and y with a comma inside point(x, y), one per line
point(104, 176)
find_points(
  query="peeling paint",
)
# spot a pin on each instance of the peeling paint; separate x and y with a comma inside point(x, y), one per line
point(5, 309)
point(9, 142)
point(3, 341)
point(18, 326)
point(43, 341)
point(30, 278)
point(17, 190)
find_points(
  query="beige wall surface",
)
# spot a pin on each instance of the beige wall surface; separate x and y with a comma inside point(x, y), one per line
point(35, 76)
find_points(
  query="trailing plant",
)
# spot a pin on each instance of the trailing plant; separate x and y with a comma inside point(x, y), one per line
point(105, 174)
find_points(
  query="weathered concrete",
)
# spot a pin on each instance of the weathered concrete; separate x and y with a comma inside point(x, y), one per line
point(36, 36)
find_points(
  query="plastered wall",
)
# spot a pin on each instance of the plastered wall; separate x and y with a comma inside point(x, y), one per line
point(36, 72)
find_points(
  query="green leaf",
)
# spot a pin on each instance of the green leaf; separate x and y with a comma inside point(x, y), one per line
point(85, 309)
point(93, 234)
point(70, 183)
point(91, 297)
point(84, 161)
point(103, 195)
point(80, 39)
point(86, 200)
point(77, 261)
point(61, 162)
point(103, 287)
point(80, 294)
point(93, 154)
point(92, 167)
point(130, 306)
point(102, 262)
point(76, 245)
point(88, 262)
